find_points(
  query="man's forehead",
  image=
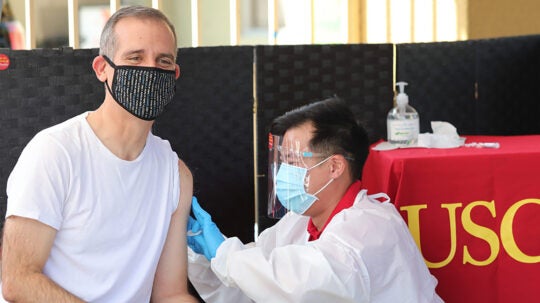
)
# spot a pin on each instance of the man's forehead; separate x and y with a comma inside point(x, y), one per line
point(127, 29)
point(298, 137)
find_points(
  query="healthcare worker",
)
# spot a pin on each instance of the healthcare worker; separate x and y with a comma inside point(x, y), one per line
point(336, 243)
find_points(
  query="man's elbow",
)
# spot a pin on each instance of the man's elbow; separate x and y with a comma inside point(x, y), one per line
point(10, 288)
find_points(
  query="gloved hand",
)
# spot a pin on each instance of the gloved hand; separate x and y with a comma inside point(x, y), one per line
point(195, 239)
point(204, 237)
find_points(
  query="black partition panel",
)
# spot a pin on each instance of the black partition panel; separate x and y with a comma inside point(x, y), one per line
point(40, 88)
point(210, 125)
point(290, 76)
point(508, 85)
point(483, 87)
point(441, 79)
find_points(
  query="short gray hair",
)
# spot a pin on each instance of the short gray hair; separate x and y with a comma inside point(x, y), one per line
point(107, 44)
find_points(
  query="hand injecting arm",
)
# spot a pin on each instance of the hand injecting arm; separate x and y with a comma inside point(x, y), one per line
point(203, 237)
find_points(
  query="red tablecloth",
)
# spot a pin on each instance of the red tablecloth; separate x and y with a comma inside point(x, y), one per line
point(474, 212)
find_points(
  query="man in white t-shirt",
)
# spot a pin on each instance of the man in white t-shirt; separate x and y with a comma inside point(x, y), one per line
point(98, 205)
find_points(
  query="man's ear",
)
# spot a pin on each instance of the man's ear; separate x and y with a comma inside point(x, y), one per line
point(338, 163)
point(98, 65)
point(177, 69)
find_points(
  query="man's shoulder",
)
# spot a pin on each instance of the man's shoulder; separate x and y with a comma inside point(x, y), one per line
point(367, 211)
point(65, 128)
point(160, 142)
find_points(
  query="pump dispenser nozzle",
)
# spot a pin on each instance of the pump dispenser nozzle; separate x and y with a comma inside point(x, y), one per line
point(402, 99)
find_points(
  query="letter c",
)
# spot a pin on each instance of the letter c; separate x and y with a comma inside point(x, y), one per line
point(507, 233)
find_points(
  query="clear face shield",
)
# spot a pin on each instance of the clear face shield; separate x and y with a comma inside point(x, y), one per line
point(276, 210)
point(288, 165)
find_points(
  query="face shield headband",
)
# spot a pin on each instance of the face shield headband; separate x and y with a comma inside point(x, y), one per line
point(143, 91)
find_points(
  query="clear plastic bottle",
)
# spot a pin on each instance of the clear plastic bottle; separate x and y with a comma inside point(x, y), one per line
point(402, 122)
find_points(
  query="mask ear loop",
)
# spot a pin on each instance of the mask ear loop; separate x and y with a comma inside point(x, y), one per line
point(322, 188)
point(320, 163)
point(109, 61)
point(106, 81)
point(327, 183)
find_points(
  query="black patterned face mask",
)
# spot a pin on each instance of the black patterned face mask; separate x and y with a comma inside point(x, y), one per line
point(142, 91)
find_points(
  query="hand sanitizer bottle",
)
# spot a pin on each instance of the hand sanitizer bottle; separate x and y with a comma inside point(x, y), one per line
point(402, 122)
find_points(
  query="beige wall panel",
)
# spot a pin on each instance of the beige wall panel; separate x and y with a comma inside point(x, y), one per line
point(502, 18)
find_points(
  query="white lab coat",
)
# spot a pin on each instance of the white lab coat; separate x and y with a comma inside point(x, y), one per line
point(365, 254)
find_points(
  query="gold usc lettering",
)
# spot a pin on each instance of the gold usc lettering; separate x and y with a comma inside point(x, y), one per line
point(506, 232)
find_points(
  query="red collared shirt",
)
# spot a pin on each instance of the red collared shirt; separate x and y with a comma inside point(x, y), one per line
point(346, 201)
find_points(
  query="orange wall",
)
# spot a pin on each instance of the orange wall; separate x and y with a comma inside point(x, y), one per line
point(501, 18)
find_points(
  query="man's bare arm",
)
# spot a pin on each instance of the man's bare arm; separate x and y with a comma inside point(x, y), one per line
point(171, 281)
point(26, 247)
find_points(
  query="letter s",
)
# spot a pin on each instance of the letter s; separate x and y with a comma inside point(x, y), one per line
point(480, 232)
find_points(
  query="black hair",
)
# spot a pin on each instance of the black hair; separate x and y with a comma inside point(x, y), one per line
point(336, 131)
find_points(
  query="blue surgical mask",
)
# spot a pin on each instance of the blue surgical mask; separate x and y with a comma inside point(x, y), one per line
point(290, 188)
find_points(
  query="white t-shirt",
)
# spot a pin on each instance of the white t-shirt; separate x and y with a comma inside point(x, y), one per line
point(112, 216)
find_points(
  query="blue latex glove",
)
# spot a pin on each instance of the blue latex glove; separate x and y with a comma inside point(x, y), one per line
point(204, 237)
point(195, 239)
